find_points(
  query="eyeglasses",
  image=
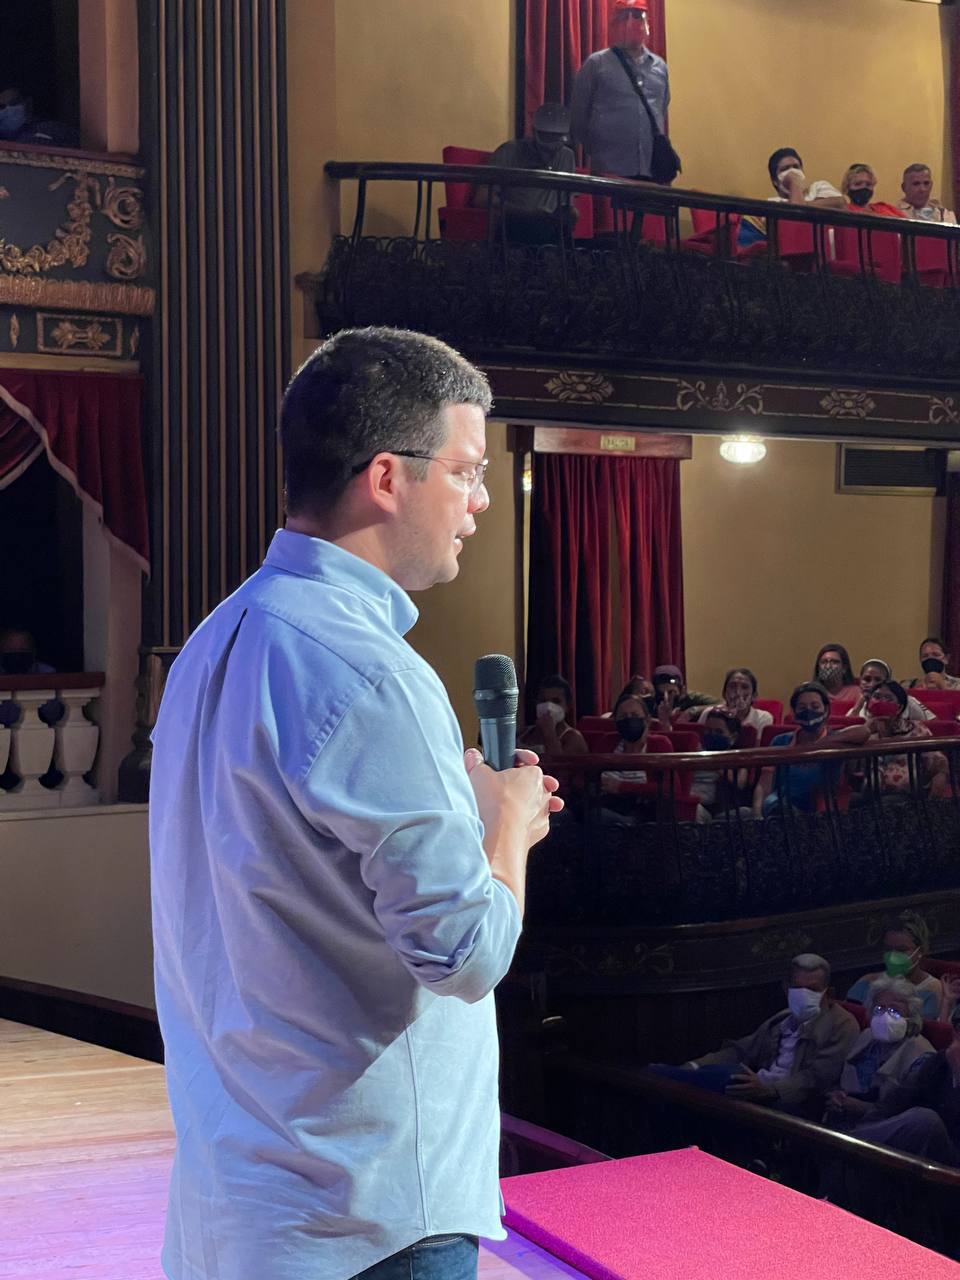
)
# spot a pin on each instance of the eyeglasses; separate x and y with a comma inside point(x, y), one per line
point(881, 1009)
point(473, 474)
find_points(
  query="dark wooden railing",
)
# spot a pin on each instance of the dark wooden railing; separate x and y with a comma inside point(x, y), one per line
point(639, 295)
point(661, 866)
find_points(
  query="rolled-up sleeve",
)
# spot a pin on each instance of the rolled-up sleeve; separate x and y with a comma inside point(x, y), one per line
point(390, 786)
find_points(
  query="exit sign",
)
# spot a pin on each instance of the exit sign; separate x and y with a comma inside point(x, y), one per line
point(618, 444)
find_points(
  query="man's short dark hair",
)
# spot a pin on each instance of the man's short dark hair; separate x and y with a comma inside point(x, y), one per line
point(809, 686)
point(364, 392)
point(781, 154)
point(557, 682)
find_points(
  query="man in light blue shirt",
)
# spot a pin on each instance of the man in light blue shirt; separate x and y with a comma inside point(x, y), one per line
point(336, 888)
point(607, 117)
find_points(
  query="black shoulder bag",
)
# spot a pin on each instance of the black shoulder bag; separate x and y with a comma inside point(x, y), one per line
point(665, 163)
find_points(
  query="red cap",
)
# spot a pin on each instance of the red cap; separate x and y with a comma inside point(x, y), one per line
point(642, 5)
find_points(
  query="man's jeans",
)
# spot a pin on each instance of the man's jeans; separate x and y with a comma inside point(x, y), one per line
point(436, 1258)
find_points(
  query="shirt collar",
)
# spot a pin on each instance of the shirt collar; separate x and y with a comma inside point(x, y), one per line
point(323, 561)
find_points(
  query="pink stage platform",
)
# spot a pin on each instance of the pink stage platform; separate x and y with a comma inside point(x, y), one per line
point(685, 1215)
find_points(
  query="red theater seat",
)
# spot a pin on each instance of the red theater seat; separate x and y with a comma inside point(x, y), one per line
point(772, 705)
point(881, 251)
point(772, 731)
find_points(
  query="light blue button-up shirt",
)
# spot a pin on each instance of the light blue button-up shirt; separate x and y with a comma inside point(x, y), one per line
point(327, 934)
point(607, 117)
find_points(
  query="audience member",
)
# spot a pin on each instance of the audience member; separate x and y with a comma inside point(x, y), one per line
point(739, 691)
point(720, 791)
point(934, 660)
point(832, 669)
point(859, 185)
point(917, 202)
point(802, 785)
point(875, 672)
point(882, 1054)
point(533, 215)
point(792, 1059)
point(18, 124)
point(631, 717)
point(18, 657)
point(673, 701)
point(552, 734)
point(888, 717)
point(608, 118)
point(906, 941)
point(790, 184)
point(921, 1116)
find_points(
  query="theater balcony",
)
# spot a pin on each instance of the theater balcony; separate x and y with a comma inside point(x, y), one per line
point(652, 315)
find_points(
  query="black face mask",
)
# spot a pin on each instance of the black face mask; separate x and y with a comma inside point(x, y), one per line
point(631, 728)
point(933, 664)
point(861, 196)
point(16, 663)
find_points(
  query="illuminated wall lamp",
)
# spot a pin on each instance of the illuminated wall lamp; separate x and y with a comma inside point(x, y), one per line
point(743, 449)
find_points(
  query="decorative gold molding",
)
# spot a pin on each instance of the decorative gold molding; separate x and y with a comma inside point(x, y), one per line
point(14, 330)
point(70, 161)
point(77, 295)
point(123, 206)
point(70, 245)
point(66, 364)
point(100, 335)
point(127, 260)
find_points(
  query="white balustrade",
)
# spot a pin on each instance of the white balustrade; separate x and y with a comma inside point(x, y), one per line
point(35, 747)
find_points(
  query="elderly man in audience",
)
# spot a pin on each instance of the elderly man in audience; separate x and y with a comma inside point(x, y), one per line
point(859, 185)
point(921, 1116)
point(739, 691)
point(906, 941)
point(793, 1059)
point(534, 215)
point(882, 1055)
point(674, 702)
point(934, 660)
point(874, 673)
point(918, 202)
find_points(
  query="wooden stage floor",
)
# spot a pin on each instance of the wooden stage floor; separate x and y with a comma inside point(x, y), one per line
point(86, 1142)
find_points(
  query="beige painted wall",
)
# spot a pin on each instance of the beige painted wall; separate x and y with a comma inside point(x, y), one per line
point(845, 81)
point(75, 907)
point(776, 564)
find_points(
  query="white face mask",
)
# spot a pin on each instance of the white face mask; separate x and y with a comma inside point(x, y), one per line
point(551, 709)
point(781, 183)
point(888, 1028)
point(804, 1003)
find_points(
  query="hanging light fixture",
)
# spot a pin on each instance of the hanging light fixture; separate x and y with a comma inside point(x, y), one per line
point(743, 449)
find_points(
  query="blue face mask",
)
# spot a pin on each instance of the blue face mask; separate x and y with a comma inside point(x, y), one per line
point(716, 742)
point(12, 119)
point(809, 717)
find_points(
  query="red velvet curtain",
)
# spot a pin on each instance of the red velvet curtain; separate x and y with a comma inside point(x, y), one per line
point(89, 426)
point(646, 494)
point(951, 567)
point(569, 612)
point(559, 34)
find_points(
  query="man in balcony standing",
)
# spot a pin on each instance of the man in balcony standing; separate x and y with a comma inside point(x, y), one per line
point(608, 118)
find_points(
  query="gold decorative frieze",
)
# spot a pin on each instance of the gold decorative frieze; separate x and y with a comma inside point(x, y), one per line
point(77, 295)
point(14, 330)
point(60, 335)
point(71, 161)
point(127, 259)
point(123, 206)
point(70, 245)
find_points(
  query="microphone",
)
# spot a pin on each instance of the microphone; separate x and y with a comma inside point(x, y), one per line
point(495, 696)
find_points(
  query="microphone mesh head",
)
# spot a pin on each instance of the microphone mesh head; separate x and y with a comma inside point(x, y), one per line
point(495, 692)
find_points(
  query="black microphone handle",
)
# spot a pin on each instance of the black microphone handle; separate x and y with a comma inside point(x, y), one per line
point(498, 737)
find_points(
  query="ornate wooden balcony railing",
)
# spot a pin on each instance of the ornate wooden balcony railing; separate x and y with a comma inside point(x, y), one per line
point(816, 301)
point(662, 867)
point(47, 744)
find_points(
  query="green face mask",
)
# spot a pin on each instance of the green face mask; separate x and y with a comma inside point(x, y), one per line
point(897, 963)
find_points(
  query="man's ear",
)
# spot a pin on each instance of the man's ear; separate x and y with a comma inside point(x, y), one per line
point(381, 480)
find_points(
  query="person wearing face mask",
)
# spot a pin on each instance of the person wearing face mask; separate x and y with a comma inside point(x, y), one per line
point(533, 215)
point(790, 184)
point(802, 785)
point(719, 791)
point(832, 669)
point(739, 691)
point(906, 941)
point(888, 720)
point(882, 1055)
point(673, 701)
point(918, 201)
point(631, 717)
point(792, 1059)
point(934, 660)
point(552, 734)
point(17, 123)
point(874, 673)
point(858, 185)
